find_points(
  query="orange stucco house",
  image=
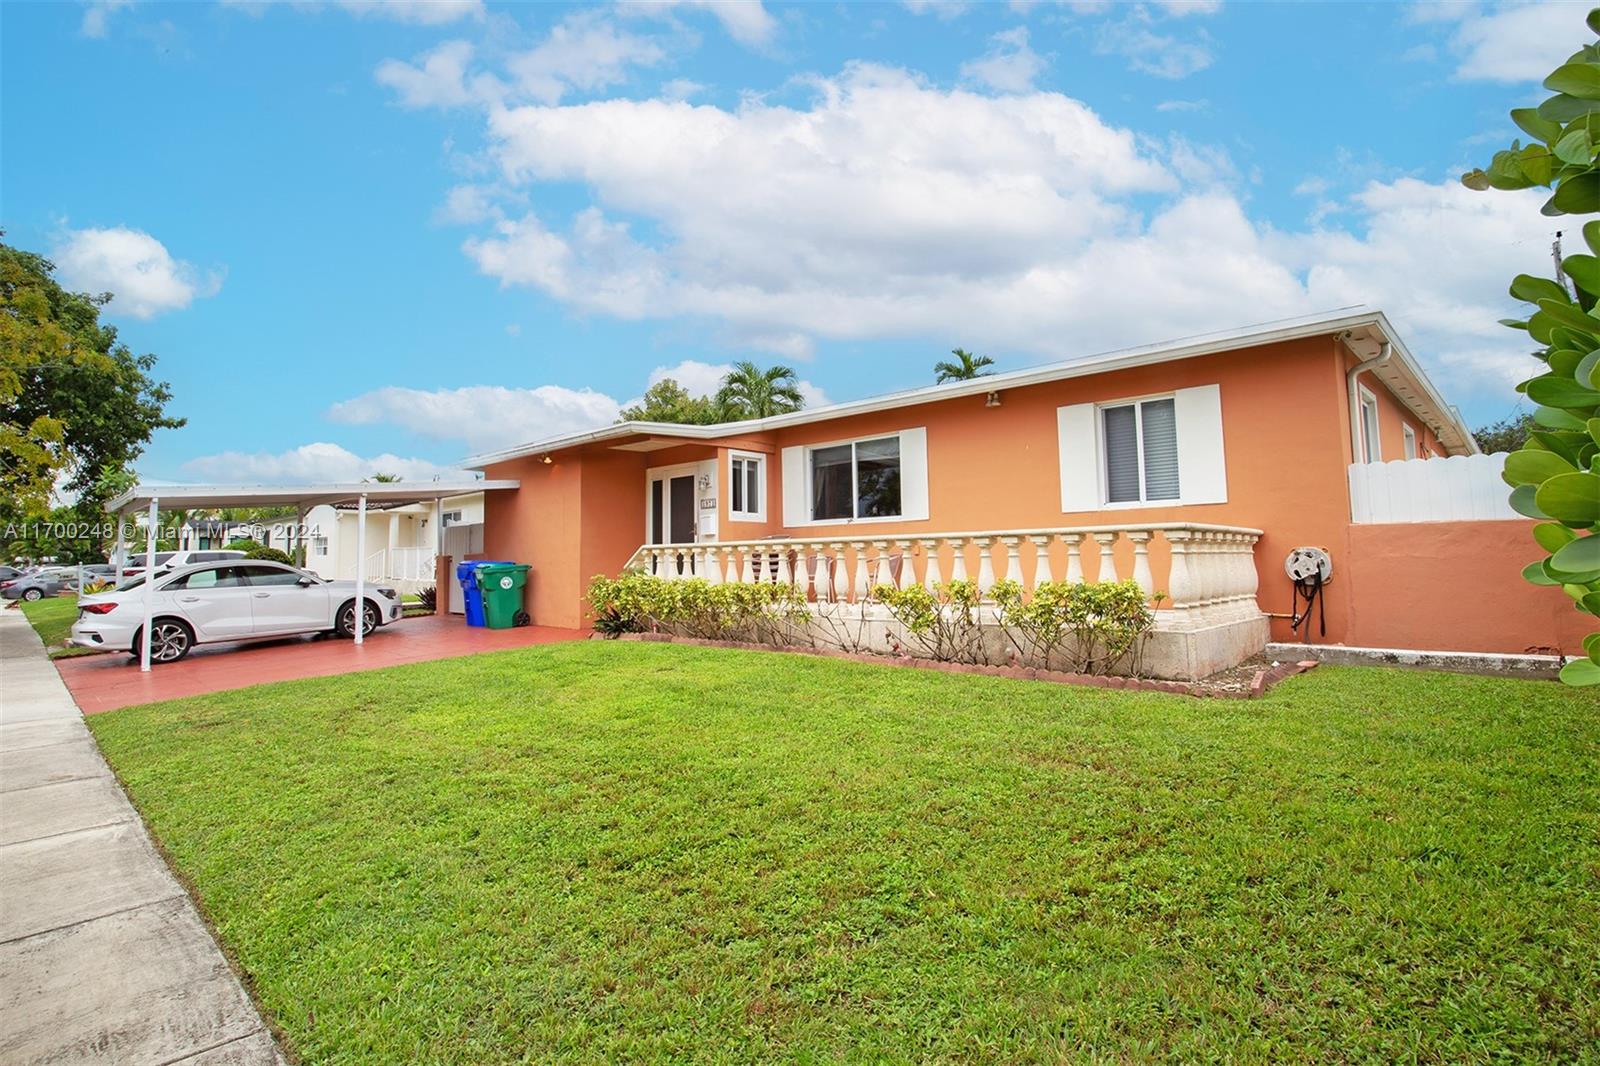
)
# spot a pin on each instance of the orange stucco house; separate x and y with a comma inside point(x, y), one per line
point(1194, 467)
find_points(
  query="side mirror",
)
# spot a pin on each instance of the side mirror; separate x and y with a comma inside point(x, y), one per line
point(305, 582)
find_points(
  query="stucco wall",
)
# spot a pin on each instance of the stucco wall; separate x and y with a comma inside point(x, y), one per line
point(1453, 586)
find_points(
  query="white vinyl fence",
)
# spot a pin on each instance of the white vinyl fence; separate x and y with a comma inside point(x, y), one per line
point(1460, 488)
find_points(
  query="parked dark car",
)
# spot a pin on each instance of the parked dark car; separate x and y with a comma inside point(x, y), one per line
point(32, 586)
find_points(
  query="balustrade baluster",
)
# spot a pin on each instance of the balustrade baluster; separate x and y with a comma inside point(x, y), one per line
point(860, 587)
point(985, 565)
point(908, 568)
point(882, 575)
point(1041, 560)
point(1141, 560)
point(1108, 563)
point(1013, 558)
point(1074, 541)
point(930, 569)
point(958, 560)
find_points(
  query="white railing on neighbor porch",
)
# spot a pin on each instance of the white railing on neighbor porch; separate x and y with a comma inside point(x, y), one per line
point(1203, 569)
point(401, 564)
point(1462, 488)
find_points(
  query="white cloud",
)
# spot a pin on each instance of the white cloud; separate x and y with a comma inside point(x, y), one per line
point(418, 12)
point(437, 79)
point(1515, 42)
point(681, 89)
point(746, 21)
point(467, 204)
point(1163, 55)
point(97, 16)
point(1184, 8)
point(483, 417)
point(584, 51)
point(415, 12)
point(866, 214)
point(1438, 257)
point(132, 265)
point(943, 9)
point(315, 463)
point(1183, 105)
point(1009, 66)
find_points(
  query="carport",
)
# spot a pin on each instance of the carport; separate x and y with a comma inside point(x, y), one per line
point(150, 499)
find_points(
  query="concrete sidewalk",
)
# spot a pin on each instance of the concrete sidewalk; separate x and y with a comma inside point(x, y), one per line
point(103, 957)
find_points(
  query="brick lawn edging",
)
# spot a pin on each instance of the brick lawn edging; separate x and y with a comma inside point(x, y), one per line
point(1259, 685)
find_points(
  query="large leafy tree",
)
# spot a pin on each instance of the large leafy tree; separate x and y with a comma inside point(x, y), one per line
point(964, 367)
point(750, 392)
point(1506, 435)
point(76, 405)
point(668, 401)
point(1555, 474)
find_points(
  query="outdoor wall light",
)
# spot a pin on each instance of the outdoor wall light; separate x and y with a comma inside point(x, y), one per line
point(547, 460)
point(993, 400)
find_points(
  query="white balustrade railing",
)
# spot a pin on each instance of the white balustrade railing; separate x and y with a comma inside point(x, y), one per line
point(401, 564)
point(1209, 568)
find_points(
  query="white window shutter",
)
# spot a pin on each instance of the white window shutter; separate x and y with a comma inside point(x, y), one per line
point(796, 511)
point(914, 474)
point(1202, 468)
point(1078, 448)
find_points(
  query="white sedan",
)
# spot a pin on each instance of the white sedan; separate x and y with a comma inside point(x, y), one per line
point(224, 602)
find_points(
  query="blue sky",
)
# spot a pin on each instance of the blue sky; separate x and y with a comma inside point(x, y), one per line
point(369, 236)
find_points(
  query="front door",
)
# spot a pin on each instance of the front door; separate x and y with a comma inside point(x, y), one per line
point(680, 510)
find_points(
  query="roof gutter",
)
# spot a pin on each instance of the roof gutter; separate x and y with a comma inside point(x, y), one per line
point(1385, 350)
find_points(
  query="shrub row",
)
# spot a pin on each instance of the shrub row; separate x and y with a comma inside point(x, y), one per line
point(1076, 627)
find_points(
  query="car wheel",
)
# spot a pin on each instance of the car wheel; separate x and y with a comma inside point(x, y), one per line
point(33, 595)
point(172, 641)
point(346, 625)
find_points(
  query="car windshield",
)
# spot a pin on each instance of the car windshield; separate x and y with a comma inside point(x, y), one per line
point(130, 583)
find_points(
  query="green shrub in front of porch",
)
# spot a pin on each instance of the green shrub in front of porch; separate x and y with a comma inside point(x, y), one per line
point(765, 613)
point(1093, 628)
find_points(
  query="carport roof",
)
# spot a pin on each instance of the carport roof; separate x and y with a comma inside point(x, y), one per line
point(378, 493)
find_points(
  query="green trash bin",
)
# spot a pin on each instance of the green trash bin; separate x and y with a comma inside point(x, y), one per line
point(502, 585)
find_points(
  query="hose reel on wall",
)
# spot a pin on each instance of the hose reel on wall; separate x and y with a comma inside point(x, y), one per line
point(1309, 568)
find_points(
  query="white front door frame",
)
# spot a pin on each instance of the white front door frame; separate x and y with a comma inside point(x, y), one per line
point(705, 519)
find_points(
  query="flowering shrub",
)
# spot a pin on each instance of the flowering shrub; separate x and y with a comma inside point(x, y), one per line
point(945, 623)
point(766, 613)
point(1086, 628)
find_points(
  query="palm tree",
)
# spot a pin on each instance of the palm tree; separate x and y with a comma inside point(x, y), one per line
point(967, 367)
point(383, 479)
point(750, 392)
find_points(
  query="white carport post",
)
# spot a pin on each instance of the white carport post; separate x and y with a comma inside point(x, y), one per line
point(149, 585)
point(361, 568)
point(122, 545)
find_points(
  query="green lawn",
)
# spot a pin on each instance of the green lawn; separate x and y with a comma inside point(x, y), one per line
point(600, 852)
point(52, 619)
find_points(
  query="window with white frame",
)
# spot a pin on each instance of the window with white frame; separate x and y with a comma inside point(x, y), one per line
point(1140, 444)
point(1371, 446)
point(1410, 436)
point(319, 545)
point(747, 487)
point(858, 479)
point(450, 518)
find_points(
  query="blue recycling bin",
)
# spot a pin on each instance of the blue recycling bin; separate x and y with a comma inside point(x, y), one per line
point(471, 594)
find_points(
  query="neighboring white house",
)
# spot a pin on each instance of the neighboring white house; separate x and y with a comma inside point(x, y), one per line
point(401, 542)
